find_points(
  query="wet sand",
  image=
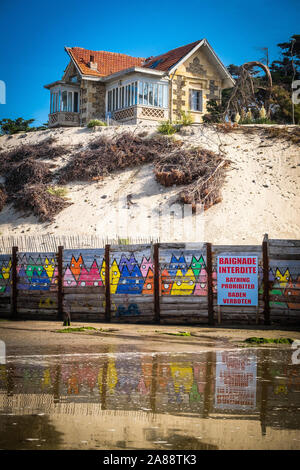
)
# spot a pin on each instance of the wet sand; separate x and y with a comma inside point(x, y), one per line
point(42, 337)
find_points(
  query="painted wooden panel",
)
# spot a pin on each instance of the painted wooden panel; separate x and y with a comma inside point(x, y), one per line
point(83, 268)
point(284, 284)
point(182, 269)
point(36, 271)
point(132, 282)
point(5, 274)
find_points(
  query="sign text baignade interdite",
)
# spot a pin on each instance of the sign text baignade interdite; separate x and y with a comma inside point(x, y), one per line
point(238, 280)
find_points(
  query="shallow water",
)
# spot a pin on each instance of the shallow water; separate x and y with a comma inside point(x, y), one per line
point(238, 399)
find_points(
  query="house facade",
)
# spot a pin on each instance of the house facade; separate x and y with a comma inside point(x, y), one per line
point(131, 90)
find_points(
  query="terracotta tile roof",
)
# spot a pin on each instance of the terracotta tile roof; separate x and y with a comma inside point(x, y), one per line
point(107, 62)
point(166, 61)
point(112, 62)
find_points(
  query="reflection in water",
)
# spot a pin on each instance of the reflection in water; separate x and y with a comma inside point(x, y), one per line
point(240, 399)
point(235, 381)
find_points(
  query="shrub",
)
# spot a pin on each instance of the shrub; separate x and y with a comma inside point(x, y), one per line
point(264, 121)
point(57, 191)
point(186, 119)
point(167, 128)
point(95, 123)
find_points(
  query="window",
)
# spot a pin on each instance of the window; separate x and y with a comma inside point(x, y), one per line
point(145, 93)
point(155, 95)
point(122, 97)
point(160, 96)
point(64, 100)
point(151, 94)
point(135, 92)
point(75, 109)
point(165, 97)
point(109, 101)
point(70, 104)
point(138, 92)
point(196, 100)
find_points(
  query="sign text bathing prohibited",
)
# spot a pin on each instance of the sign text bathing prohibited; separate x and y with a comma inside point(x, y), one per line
point(238, 280)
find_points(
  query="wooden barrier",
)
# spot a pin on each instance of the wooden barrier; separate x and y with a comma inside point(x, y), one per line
point(161, 283)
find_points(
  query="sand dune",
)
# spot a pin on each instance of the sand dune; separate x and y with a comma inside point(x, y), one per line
point(260, 195)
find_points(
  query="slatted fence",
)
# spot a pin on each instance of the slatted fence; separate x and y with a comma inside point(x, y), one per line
point(160, 282)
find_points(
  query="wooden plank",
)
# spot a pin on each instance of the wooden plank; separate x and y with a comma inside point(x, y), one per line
point(128, 298)
point(280, 298)
point(134, 312)
point(84, 290)
point(183, 300)
point(231, 308)
point(82, 297)
point(285, 257)
point(171, 321)
point(283, 250)
point(181, 307)
point(130, 248)
point(40, 311)
point(186, 314)
point(235, 249)
point(283, 311)
point(87, 309)
point(285, 243)
point(35, 304)
point(88, 318)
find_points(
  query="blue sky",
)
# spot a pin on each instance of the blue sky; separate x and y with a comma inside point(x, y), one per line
point(33, 35)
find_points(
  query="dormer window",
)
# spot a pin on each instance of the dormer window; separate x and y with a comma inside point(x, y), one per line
point(74, 79)
point(92, 58)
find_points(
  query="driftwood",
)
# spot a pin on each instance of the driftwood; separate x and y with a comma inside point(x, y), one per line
point(243, 94)
point(27, 176)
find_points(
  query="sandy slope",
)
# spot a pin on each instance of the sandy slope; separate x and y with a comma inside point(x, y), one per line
point(261, 194)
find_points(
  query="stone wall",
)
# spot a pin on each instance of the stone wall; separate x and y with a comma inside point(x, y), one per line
point(197, 73)
point(92, 101)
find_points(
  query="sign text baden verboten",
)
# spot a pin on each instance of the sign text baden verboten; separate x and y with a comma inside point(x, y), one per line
point(238, 280)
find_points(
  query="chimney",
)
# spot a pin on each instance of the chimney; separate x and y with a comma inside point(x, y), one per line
point(92, 64)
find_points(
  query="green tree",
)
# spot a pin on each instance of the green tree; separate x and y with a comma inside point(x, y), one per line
point(281, 105)
point(287, 67)
point(12, 126)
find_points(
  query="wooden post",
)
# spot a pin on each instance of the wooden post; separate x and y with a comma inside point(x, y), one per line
point(107, 286)
point(156, 283)
point(266, 293)
point(60, 283)
point(219, 314)
point(14, 282)
point(211, 320)
point(257, 315)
